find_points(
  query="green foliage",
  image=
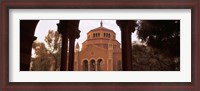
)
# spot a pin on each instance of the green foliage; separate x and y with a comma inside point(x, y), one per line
point(163, 35)
point(47, 58)
point(148, 59)
point(40, 62)
point(53, 40)
point(163, 44)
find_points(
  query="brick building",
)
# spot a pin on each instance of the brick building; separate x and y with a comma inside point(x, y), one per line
point(100, 51)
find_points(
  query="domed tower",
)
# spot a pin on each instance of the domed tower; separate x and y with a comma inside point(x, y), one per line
point(100, 51)
point(100, 36)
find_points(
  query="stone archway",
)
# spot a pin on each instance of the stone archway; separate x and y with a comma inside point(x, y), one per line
point(27, 30)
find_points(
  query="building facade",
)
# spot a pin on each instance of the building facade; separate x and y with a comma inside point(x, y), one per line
point(100, 51)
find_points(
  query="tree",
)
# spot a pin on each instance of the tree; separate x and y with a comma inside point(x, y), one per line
point(41, 60)
point(53, 41)
point(147, 59)
point(163, 35)
point(48, 54)
point(163, 38)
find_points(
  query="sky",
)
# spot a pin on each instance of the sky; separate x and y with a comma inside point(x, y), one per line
point(85, 26)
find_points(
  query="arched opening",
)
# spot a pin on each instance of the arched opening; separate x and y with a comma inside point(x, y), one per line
point(93, 35)
point(106, 35)
point(98, 34)
point(27, 29)
point(99, 65)
point(46, 49)
point(92, 65)
point(85, 65)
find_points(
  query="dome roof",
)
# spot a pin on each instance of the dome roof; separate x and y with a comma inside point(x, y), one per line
point(101, 28)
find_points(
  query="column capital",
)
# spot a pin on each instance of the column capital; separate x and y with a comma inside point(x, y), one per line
point(62, 28)
point(74, 34)
point(127, 25)
point(69, 28)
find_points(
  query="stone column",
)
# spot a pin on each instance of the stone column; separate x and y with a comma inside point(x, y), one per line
point(127, 27)
point(71, 54)
point(64, 56)
point(74, 34)
point(62, 28)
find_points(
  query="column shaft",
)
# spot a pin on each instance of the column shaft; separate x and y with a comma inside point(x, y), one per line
point(71, 54)
point(126, 50)
point(64, 55)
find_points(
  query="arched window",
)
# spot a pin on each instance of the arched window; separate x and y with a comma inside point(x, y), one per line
point(93, 35)
point(98, 34)
point(99, 65)
point(92, 65)
point(104, 34)
point(108, 35)
point(85, 65)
